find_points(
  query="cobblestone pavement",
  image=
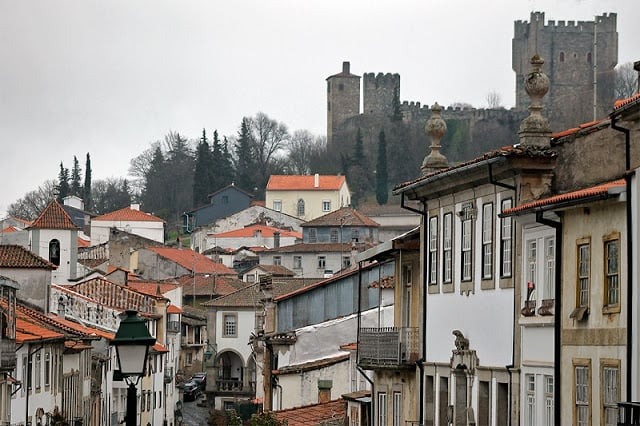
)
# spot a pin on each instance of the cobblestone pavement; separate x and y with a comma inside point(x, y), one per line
point(193, 414)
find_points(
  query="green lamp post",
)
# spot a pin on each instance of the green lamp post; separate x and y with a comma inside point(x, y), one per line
point(132, 344)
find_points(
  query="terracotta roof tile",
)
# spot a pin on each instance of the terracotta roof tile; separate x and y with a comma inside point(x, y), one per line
point(622, 102)
point(151, 288)
point(250, 230)
point(115, 295)
point(305, 183)
point(14, 256)
point(83, 243)
point(209, 285)
point(313, 415)
point(276, 270)
point(602, 190)
point(191, 260)
point(173, 309)
point(53, 217)
point(9, 229)
point(128, 214)
point(345, 216)
point(250, 295)
point(320, 247)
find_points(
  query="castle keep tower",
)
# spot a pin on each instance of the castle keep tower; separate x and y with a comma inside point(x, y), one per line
point(581, 58)
point(343, 99)
point(378, 92)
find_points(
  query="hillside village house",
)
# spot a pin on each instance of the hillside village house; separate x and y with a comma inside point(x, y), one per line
point(255, 235)
point(129, 219)
point(307, 197)
point(222, 203)
point(202, 240)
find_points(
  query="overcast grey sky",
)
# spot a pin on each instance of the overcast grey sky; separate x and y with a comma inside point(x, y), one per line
point(110, 77)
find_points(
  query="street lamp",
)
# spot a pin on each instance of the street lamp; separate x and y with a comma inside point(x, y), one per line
point(132, 343)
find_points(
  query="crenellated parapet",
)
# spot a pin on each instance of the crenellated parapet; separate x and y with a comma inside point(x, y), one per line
point(378, 91)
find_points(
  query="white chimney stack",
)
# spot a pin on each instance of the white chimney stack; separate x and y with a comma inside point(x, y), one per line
point(316, 180)
point(135, 206)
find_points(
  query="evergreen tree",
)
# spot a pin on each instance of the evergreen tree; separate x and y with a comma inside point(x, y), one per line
point(153, 196)
point(63, 183)
point(86, 189)
point(358, 171)
point(76, 188)
point(382, 181)
point(203, 172)
point(245, 164)
point(217, 180)
point(226, 168)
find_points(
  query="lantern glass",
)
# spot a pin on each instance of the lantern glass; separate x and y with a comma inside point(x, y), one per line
point(132, 359)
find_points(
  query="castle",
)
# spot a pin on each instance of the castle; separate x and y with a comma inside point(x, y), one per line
point(580, 58)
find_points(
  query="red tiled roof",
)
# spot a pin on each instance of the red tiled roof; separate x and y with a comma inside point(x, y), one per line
point(192, 260)
point(320, 247)
point(250, 230)
point(128, 214)
point(250, 295)
point(313, 414)
point(53, 217)
point(13, 256)
point(157, 347)
point(115, 295)
point(574, 130)
point(345, 216)
point(28, 331)
point(594, 191)
point(9, 229)
point(83, 243)
point(173, 309)
point(622, 102)
point(275, 270)
point(209, 284)
point(305, 183)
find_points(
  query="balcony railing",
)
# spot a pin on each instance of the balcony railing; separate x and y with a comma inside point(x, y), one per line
point(388, 346)
point(629, 413)
point(8, 358)
point(234, 386)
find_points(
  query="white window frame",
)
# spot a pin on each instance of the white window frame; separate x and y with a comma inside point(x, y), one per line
point(326, 206)
point(466, 243)
point(277, 205)
point(548, 400)
point(506, 241)
point(612, 272)
point(297, 262)
point(487, 241)
point(530, 394)
point(532, 268)
point(584, 273)
point(447, 248)
point(582, 392)
point(397, 409)
point(610, 385)
point(277, 260)
point(433, 250)
point(382, 408)
point(322, 262)
point(229, 328)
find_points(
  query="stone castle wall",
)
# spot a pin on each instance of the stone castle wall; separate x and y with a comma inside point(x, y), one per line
point(378, 92)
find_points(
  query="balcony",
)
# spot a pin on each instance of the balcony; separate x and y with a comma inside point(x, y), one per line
point(234, 386)
point(8, 359)
point(388, 347)
point(629, 413)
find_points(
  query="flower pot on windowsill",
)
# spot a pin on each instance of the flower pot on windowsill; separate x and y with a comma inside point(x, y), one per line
point(546, 309)
point(529, 308)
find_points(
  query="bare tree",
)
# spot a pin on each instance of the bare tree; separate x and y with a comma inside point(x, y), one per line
point(269, 139)
point(626, 81)
point(494, 100)
point(301, 146)
point(34, 202)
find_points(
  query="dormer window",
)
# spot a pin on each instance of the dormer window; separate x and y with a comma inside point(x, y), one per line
point(54, 252)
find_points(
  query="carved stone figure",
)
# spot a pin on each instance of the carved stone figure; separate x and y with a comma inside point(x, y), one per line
point(462, 343)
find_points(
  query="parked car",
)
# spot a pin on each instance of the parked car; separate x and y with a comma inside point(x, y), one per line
point(191, 391)
point(200, 379)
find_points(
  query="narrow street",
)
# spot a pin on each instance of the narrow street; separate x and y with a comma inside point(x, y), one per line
point(193, 414)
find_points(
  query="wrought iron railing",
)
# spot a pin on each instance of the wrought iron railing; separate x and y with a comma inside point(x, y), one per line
point(629, 413)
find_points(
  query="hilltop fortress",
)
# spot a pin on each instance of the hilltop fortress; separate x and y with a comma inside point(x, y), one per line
point(580, 58)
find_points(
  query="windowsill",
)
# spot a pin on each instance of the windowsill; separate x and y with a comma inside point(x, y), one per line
point(506, 282)
point(448, 288)
point(433, 289)
point(487, 284)
point(230, 336)
point(611, 309)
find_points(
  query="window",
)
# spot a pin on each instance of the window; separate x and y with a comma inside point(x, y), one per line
point(322, 262)
point(584, 255)
point(407, 281)
point(549, 268)
point(297, 262)
point(355, 235)
point(530, 390)
point(548, 401)
point(326, 205)
point(433, 250)
point(251, 278)
point(447, 247)
point(532, 248)
point(312, 235)
point(333, 237)
point(277, 205)
point(225, 199)
point(397, 409)
point(300, 207)
point(346, 262)
point(582, 412)
point(505, 241)
point(487, 240)
point(277, 260)
point(37, 373)
point(561, 56)
point(47, 369)
point(54, 252)
point(230, 325)
point(465, 240)
point(382, 408)
point(610, 385)
point(612, 271)
point(588, 57)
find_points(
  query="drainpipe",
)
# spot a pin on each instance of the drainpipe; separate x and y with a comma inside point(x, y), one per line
point(557, 328)
point(627, 179)
point(360, 370)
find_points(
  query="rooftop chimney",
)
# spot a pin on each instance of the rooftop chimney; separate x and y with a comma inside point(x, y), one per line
point(135, 206)
point(534, 130)
point(276, 240)
point(345, 67)
point(316, 179)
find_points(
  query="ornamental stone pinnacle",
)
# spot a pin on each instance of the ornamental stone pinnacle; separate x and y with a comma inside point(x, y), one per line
point(436, 128)
point(534, 130)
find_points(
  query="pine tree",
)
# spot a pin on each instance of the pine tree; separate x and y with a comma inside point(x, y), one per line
point(382, 180)
point(226, 168)
point(86, 189)
point(245, 164)
point(76, 188)
point(63, 183)
point(216, 179)
point(358, 171)
point(203, 171)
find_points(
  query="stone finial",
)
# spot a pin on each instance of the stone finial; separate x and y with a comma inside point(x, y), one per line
point(534, 130)
point(436, 128)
